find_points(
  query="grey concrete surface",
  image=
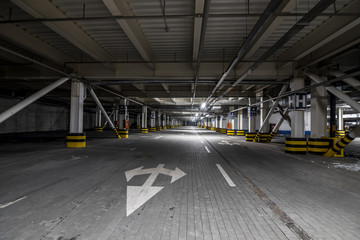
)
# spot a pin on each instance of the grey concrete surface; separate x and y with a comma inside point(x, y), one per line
point(82, 193)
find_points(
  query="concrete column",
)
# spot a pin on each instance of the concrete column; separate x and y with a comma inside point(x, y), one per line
point(77, 107)
point(159, 121)
point(116, 117)
point(220, 121)
point(217, 122)
point(168, 121)
point(152, 120)
point(231, 118)
point(144, 123)
point(252, 117)
point(340, 118)
point(240, 120)
point(298, 120)
point(264, 109)
point(332, 115)
point(164, 121)
point(318, 112)
point(98, 122)
point(138, 121)
point(123, 115)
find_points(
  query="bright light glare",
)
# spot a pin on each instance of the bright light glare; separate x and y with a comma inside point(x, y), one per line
point(203, 105)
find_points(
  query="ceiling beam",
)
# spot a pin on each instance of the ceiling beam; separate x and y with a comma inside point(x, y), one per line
point(131, 29)
point(199, 8)
point(333, 28)
point(68, 30)
point(14, 34)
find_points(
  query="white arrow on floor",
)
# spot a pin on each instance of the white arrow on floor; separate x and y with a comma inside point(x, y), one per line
point(138, 195)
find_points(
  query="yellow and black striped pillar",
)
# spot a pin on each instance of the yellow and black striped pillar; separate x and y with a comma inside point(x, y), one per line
point(158, 128)
point(263, 137)
point(337, 149)
point(240, 133)
point(340, 133)
point(117, 134)
point(270, 136)
point(124, 133)
point(212, 128)
point(318, 146)
point(144, 130)
point(153, 129)
point(76, 140)
point(249, 137)
point(98, 129)
point(230, 132)
point(223, 130)
point(295, 145)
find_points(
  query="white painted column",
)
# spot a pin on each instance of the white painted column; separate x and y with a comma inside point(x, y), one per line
point(168, 121)
point(159, 120)
point(251, 119)
point(298, 120)
point(98, 122)
point(217, 122)
point(240, 120)
point(318, 112)
point(340, 118)
point(152, 119)
point(138, 120)
point(78, 93)
point(231, 120)
point(264, 109)
point(144, 123)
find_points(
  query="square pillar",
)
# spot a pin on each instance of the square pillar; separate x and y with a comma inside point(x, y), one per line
point(298, 117)
point(318, 112)
point(76, 137)
point(252, 115)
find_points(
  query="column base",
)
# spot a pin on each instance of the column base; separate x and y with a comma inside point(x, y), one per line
point(76, 140)
point(152, 129)
point(249, 137)
point(295, 145)
point(124, 133)
point(230, 132)
point(144, 130)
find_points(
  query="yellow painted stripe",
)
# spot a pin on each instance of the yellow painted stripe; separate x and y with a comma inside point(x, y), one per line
point(75, 144)
point(318, 150)
point(295, 149)
point(75, 137)
point(318, 143)
point(296, 142)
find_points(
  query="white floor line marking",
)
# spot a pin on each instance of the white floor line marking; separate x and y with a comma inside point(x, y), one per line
point(11, 203)
point(226, 176)
point(207, 149)
point(132, 149)
point(158, 137)
point(201, 141)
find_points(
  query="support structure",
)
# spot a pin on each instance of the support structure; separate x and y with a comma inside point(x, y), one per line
point(24, 103)
point(144, 124)
point(98, 103)
point(159, 127)
point(152, 121)
point(318, 112)
point(298, 120)
point(76, 137)
point(98, 122)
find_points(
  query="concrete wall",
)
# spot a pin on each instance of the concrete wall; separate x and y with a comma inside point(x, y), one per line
point(285, 126)
point(38, 117)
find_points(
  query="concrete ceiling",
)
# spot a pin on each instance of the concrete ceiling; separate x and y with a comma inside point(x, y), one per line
point(153, 51)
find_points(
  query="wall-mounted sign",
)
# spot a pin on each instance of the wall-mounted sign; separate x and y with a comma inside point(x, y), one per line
point(152, 115)
point(297, 101)
point(232, 115)
point(252, 111)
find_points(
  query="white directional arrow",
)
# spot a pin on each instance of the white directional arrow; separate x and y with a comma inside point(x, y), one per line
point(138, 195)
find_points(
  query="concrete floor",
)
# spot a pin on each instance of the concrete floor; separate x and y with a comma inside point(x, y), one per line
point(50, 192)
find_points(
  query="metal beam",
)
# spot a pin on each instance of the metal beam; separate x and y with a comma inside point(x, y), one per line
point(273, 5)
point(199, 9)
point(131, 29)
point(24, 103)
point(325, 33)
point(336, 92)
point(302, 23)
point(68, 30)
point(30, 42)
point(351, 81)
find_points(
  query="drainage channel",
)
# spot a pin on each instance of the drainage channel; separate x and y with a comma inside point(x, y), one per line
point(291, 224)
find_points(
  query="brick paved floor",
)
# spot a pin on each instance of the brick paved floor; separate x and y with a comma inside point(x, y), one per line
point(82, 193)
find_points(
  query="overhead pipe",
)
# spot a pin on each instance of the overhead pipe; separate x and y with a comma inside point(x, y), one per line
point(98, 103)
point(351, 81)
point(342, 143)
point(201, 44)
point(24, 103)
point(267, 118)
point(273, 5)
point(302, 23)
point(339, 94)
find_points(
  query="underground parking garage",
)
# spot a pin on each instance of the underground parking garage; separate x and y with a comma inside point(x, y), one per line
point(169, 119)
